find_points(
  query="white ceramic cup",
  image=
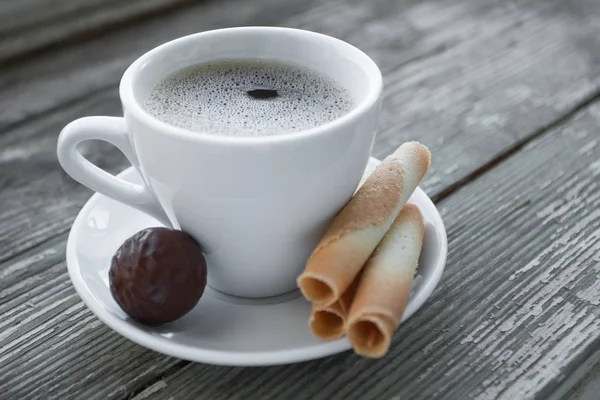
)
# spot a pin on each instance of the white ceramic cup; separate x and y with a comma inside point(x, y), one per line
point(257, 205)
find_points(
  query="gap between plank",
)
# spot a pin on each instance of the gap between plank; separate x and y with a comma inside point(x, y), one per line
point(518, 145)
point(50, 238)
point(34, 117)
point(562, 388)
point(43, 24)
point(169, 371)
point(31, 53)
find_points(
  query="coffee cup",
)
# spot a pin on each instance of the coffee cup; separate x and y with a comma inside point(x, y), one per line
point(257, 205)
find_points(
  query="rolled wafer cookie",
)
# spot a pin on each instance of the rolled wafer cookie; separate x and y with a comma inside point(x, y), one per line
point(362, 223)
point(385, 285)
point(329, 322)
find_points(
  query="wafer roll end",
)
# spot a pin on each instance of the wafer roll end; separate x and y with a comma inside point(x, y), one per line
point(317, 289)
point(327, 323)
point(371, 335)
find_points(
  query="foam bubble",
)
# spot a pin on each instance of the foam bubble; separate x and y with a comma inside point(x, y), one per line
point(213, 98)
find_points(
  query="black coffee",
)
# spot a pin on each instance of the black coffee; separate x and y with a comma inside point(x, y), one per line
point(247, 98)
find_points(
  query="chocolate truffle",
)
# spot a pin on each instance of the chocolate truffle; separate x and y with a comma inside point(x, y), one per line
point(158, 275)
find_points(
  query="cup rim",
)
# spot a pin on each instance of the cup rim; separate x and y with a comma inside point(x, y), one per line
point(373, 74)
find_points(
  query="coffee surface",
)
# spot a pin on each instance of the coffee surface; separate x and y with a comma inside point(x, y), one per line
point(247, 98)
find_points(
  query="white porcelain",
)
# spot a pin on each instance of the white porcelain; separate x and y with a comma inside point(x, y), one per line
point(221, 329)
point(258, 206)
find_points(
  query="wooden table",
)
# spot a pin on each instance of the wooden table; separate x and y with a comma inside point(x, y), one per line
point(505, 94)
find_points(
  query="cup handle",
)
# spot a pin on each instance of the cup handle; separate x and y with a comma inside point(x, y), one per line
point(113, 131)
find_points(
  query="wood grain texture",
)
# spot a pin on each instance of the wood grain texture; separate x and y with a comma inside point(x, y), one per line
point(581, 384)
point(27, 26)
point(471, 79)
point(517, 306)
point(43, 354)
point(589, 386)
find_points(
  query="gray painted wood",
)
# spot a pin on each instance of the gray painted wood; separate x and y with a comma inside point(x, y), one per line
point(516, 309)
point(474, 80)
point(27, 26)
point(583, 383)
point(588, 388)
point(43, 354)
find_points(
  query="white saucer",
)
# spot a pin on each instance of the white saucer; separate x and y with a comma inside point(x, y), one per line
point(221, 329)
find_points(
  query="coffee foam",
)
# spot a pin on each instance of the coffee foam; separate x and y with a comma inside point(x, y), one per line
point(213, 98)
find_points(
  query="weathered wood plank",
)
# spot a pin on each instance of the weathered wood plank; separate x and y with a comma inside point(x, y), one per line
point(76, 72)
point(34, 142)
point(588, 388)
point(517, 307)
point(18, 15)
point(29, 146)
point(429, 99)
point(27, 26)
point(583, 383)
point(492, 93)
point(37, 199)
point(38, 306)
point(434, 98)
point(463, 43)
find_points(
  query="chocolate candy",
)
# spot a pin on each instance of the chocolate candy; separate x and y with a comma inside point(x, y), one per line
point(158, 275)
